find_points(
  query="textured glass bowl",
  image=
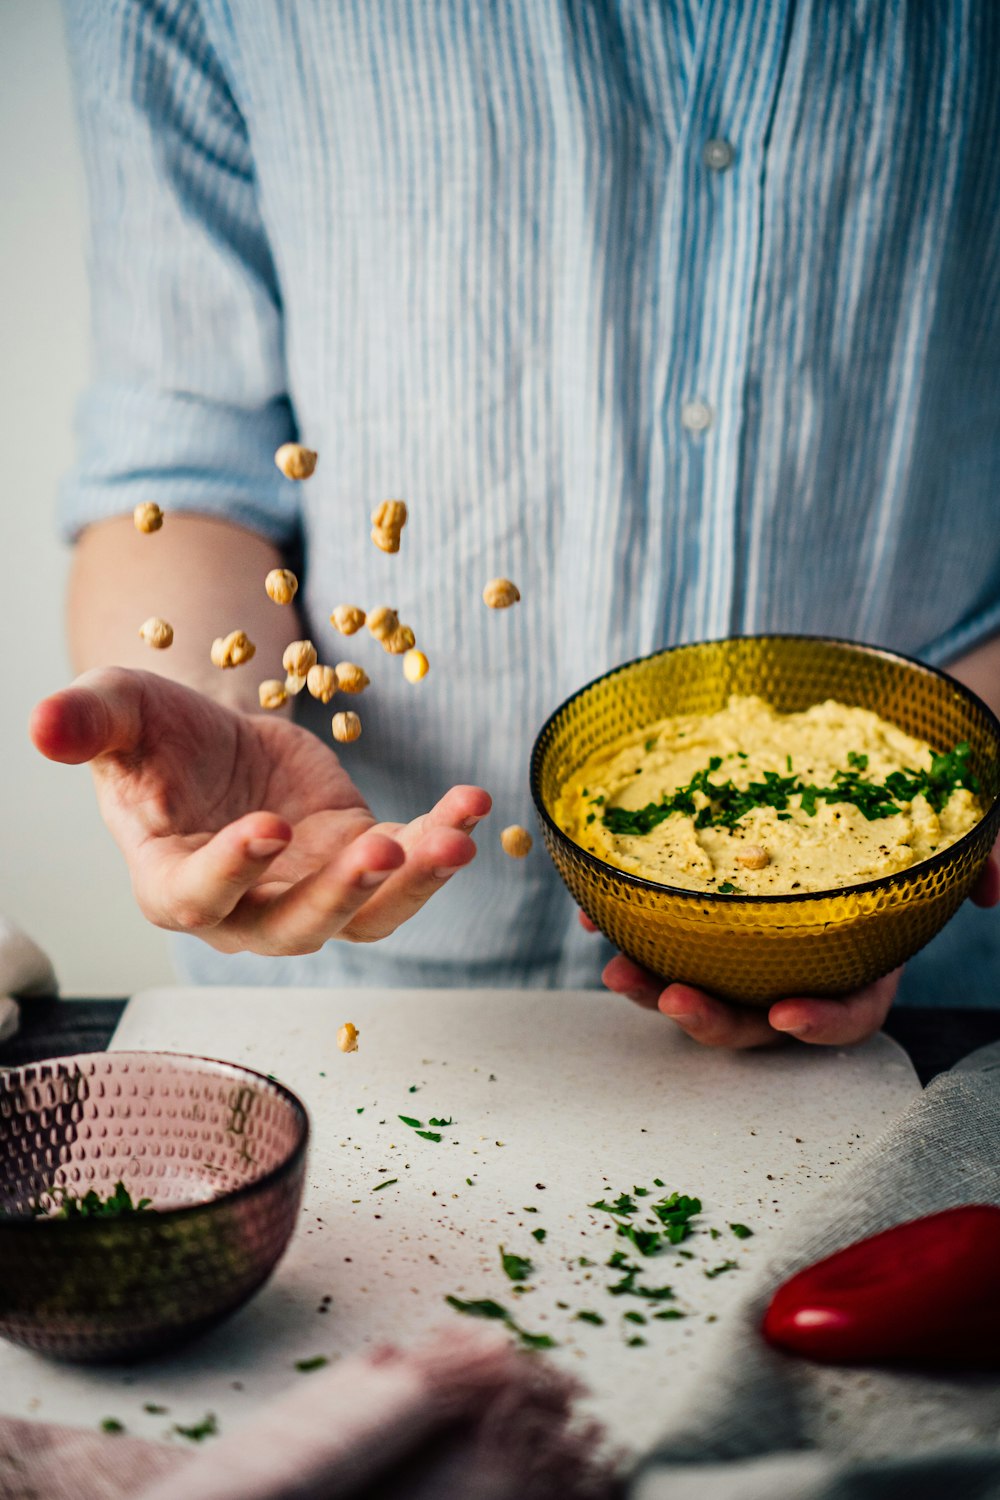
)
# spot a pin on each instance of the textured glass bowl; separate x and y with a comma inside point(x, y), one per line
point(220, 1150)
point(757, 949)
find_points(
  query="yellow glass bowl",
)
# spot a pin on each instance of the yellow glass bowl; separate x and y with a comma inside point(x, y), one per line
point(757, 949)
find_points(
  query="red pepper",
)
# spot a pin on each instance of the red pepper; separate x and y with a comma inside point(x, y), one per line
point(926, 1292)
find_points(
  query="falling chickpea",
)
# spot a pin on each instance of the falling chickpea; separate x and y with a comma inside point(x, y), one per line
point(400, 641)
point(157, 633)
point(388, 520)
point(382, 622)
point(294, 461)
point(415, 666)
point(350, 677)
point(347, 1037)
point(232, 650)
point(272, 693)
point(516, 841)
point(281, 585)
point(147, 517)
point(295, 682)
point(321, 682)
point(299, 657)
point(347, 618)
point(500, 593)
point(346, 728)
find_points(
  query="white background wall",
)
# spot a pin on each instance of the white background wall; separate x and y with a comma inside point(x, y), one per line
point(60, 874)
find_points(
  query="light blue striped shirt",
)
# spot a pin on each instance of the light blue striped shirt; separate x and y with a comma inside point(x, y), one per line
point(684, 314)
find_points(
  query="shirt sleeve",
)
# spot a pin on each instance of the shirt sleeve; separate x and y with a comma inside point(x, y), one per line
point(188, 400)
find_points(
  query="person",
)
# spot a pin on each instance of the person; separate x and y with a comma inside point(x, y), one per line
point(685, 318)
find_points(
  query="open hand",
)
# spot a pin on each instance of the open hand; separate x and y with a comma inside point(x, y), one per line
point(834, 1023)
point(246, 830)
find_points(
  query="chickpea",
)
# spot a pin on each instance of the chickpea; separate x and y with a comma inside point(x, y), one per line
point(351, 678)
point(321, 682)
point(347, 1037)
point(157, 633)
point(401, 640)
point(281, 585)
point(295, 682)
point(516, 841)
point(347, 618)
point(753, 858)
point(500, 593)
point(388, 520)
point(382, 622)
point(272, 693)
point(232, 650)
point(346, 728)
point(415, 666)
point(294, 461)
point(147, 516)
point(299, 657)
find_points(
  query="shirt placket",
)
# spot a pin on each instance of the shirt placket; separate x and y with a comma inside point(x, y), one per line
point(710, 269)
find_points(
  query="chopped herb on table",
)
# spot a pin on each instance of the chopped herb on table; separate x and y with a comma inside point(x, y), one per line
point(634, 1317)
point(727, 1265)
point(741, 1231)
point(539, 1235)
point(207, 1427)
point(112, 1424)
point(315, 1363)
point(515, 1267)
point(635, 1343)
point(487, 1308)
point(155, 1410)
point(388, 1183)
point(586, 1316)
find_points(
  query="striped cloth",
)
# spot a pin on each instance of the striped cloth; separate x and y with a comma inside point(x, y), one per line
point(686, 316)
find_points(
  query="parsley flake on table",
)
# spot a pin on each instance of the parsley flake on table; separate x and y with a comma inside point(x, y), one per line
point(487, 1308)
point(636, 1342)
point(515, 1267)
point(539, 1235)
point(741, 1231)
point(668, 1314)
point(409, 1120)
point(315, 1363)
point(380, 1185)
point(155, 1410)
point(727, 1265)
point(634, 1317)
point(112, 1424)
point(433, 1121)
point(207, 1427)
point(586, 1316)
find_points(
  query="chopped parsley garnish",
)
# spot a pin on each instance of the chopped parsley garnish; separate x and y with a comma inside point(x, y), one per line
point(724, 805)
point(515, 1267)
point(112, 1424)
point(539, 1235)
point(636, 1342)
point(154, 1409)
point(727, 1265)
point(728, 889)
point(387, 1183)
point(669, 1313)
point(741, 1231)
point(487, 1308)
point(429, 1135)
point(207, 1427)
point(409, 1120)
point(315, 1363)
point(586, 1316)
point(117, 1205)
point(634, 1317)
point(623, 1204)
point(433, 1121)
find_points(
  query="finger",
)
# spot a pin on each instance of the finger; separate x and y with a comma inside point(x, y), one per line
point(101, 712)
point(430, 864)
point(461, 807)
point(188, 892)
point(713, 1022)
point(626, 978)
point(987, 888)
point(840, 1022)
point(585, 922)
point(317, 908)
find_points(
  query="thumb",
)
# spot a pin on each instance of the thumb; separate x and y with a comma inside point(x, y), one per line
point(100, 713)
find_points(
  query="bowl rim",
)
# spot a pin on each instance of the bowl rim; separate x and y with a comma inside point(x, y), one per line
point(641, 882)
point(22, 1223)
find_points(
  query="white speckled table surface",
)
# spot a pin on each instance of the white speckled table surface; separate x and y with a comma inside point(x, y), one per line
point(557, 1100)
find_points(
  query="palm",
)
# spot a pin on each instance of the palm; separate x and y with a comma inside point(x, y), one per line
point(247, 830)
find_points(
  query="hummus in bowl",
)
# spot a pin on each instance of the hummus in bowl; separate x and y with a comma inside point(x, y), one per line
point(749, 801)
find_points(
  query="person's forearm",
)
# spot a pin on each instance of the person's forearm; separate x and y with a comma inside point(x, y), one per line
point(204, 577)
point(980, 670)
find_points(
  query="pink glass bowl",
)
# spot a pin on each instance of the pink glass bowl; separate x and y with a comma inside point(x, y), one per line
point(220, 1151)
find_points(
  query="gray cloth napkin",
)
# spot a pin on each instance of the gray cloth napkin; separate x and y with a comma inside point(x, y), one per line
point(762, 1424)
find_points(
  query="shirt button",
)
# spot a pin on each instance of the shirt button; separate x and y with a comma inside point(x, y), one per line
point(718, 155)
point(696, 416)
